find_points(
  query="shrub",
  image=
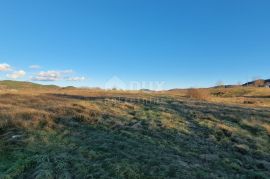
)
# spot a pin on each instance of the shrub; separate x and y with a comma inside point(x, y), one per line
point(197, 94)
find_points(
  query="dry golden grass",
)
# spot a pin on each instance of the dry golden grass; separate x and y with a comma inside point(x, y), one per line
point(240, 96)
point(83, 133)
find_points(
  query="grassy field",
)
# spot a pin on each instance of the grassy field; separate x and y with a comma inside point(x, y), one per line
point(79, 133)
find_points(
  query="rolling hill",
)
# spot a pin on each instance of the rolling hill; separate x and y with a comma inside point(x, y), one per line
point(9, 84)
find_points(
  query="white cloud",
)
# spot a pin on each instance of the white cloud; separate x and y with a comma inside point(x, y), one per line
point(35, 67)
point(76, 78)
point(5, 67)
point(47, 76)
point(16, 74)
point(50, 75)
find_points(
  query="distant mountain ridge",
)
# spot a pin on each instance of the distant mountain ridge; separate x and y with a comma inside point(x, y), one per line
point(10, 84)
point(259, 82)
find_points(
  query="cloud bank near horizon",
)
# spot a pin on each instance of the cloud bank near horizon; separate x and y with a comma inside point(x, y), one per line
point(41, 76)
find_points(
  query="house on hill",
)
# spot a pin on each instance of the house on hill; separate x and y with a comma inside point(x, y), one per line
point(267, 83)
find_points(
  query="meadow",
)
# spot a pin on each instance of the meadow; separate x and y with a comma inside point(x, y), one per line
point(51, 132)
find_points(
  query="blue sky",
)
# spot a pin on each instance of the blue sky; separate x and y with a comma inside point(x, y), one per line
point(184, 43)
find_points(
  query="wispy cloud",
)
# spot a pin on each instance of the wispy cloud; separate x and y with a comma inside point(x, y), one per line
point(5, 67)
point(66, 71)
point(34, 67)
point(82, 78)
point(16, 74)
point(52, 75)
point(47, 76)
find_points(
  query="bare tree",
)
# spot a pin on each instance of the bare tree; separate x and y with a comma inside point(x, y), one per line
point(220, 83)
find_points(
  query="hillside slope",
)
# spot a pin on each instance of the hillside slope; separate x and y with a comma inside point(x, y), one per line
point(9, 84)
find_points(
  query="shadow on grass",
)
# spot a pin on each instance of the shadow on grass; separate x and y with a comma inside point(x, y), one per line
point(141, 146)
